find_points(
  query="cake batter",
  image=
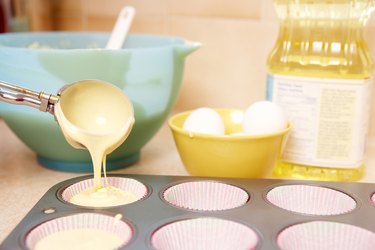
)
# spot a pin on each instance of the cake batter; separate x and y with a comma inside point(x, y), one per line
point(80, 239)
point(103, 197)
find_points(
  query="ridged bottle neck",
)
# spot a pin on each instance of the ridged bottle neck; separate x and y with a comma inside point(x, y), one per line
point(322, 37)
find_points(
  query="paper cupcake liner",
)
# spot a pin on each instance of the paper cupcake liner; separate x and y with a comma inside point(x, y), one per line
point(127, 184)
point(204, 233)
point(373, 198)
point(311, 200)
point(205, 196)
point(105, 223)
point(324, 235)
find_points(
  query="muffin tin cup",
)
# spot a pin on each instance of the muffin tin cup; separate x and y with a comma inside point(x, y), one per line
point(96, 228)
point(325, 235)
point(251, 222)
point(204, 233)
point(311, 200)
point(205, 196)
point(134, 187)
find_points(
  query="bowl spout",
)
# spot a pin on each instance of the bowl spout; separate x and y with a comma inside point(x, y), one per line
point(183, 50)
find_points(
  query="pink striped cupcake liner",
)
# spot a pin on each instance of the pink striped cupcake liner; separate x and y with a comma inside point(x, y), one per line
point(311, 200)
point(324, 235)
point(104, 223)
point(373, 198)
point(204, 233)
point(127, 184)
point(205, 196)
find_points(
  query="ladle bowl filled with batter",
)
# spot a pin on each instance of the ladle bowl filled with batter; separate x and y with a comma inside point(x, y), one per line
point(89, 109)
point(149, 69)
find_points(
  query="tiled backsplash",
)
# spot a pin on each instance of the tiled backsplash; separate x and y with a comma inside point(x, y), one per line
point(230, 68)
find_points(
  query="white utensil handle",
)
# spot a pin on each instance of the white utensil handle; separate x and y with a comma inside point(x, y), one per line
point(121, 28)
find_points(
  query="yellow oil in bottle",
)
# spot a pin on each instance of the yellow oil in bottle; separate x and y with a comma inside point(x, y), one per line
point(320, 72)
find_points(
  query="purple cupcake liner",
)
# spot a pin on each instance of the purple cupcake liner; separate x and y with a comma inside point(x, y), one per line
point(205, 196)
point(92, 221)
point(312, 200)
point(324, 235)
point(136, 188)
point(204, 233)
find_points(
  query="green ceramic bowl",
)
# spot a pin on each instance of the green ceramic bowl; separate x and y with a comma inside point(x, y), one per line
point(148, 68)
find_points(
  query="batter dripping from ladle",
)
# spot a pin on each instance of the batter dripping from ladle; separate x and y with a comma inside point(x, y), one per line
point(94, 115)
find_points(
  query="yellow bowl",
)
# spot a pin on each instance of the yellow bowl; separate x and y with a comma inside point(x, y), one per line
point(229, 155)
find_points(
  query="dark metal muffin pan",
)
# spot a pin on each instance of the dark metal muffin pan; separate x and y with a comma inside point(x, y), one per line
point(150, 213)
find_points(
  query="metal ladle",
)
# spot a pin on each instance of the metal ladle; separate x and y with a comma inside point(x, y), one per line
point(22, 96)
point(84, 95)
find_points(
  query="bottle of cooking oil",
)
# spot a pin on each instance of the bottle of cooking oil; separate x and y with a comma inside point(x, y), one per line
point(320, 72)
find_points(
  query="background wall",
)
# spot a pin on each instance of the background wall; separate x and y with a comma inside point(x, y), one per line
point(228, 71)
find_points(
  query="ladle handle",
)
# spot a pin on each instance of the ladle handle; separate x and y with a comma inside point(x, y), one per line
point(22, 96)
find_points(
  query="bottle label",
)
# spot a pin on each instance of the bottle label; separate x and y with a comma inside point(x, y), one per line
point(330, 119)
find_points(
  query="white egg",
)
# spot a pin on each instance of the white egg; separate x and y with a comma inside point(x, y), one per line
point(264, 117)
point(206, 121)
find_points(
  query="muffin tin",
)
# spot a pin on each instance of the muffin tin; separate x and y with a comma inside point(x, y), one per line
point(185, 212)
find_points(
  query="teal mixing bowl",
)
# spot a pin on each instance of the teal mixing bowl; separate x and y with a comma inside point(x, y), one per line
point(149, 68)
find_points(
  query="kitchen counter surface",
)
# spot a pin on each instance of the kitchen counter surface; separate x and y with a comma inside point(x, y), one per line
point(24, 181)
